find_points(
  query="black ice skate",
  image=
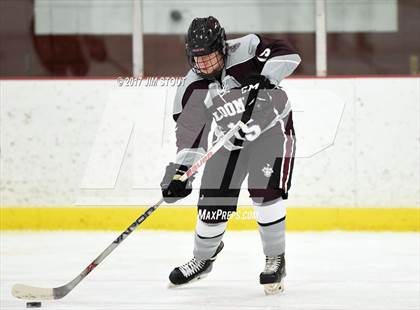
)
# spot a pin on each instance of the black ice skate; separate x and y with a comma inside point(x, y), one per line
point(194, 270)
point(273, 274)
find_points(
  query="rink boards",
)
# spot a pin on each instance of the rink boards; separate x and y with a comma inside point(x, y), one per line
point(90, 154)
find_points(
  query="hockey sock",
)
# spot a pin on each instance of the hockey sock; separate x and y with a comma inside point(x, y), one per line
point(271, 218)
point(207, 238)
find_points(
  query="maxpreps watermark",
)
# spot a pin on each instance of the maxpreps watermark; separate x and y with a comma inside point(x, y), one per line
point(221, 215)
point(150, 81)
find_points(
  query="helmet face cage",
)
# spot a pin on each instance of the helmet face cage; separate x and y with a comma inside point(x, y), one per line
point(208, 66)
point(206, 38)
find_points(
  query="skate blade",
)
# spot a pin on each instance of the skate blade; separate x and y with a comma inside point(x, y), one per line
point(200, 277)
point(274, 288)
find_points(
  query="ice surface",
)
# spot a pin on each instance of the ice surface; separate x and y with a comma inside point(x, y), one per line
point(325, 271)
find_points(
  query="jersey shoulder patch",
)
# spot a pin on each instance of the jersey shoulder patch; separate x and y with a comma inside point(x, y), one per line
point(241, 49)
point(189, 79)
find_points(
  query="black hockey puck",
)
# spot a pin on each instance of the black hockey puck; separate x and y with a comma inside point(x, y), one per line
point(33, 304)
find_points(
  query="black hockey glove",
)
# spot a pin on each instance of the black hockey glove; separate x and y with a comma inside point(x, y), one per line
point(172, 188)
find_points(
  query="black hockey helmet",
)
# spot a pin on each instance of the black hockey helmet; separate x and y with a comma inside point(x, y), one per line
point(205, 36)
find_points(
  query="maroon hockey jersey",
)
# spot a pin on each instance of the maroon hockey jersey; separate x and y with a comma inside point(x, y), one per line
point(199, 102)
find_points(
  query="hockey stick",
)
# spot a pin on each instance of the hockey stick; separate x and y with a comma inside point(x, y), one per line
point(38, 293)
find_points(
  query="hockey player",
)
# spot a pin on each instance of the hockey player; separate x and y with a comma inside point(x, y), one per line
point(231, 81)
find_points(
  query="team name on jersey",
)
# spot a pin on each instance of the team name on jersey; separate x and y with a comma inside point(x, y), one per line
point(230, 108)
point(235, 106)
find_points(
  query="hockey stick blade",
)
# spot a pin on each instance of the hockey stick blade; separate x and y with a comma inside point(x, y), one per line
point(27, 292)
